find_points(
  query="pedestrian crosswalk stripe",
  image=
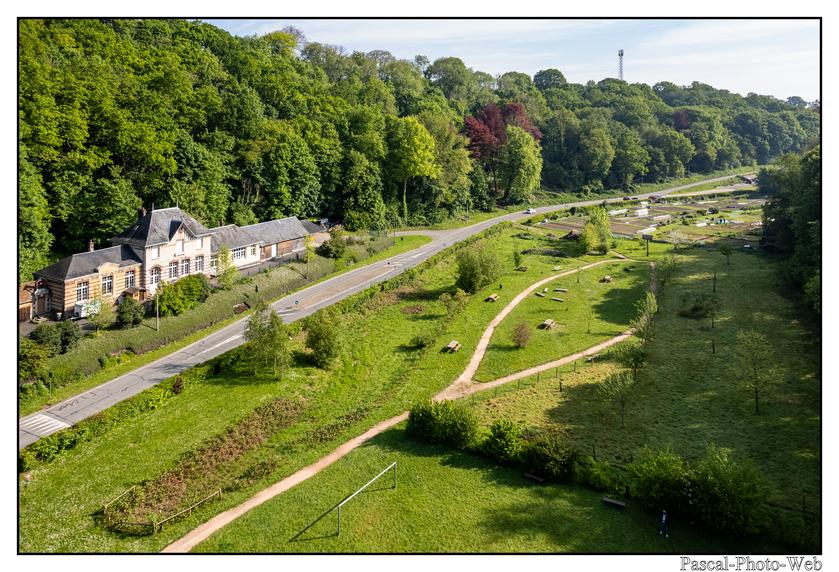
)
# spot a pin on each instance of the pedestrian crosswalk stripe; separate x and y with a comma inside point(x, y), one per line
point(42, 425)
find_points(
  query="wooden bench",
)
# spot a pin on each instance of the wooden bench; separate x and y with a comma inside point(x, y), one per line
point(491, 298)
point(541, 295)
point(557, 299)
point(453, 346)
point(591, 358)
point(547, 324)
point(533, 477)
point(614, 503)
point(561, 290)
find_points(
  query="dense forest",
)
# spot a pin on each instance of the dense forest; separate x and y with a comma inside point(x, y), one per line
point(115, 114)
point(792, 220)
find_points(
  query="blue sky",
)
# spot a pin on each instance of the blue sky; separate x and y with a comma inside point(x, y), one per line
point(774, 57)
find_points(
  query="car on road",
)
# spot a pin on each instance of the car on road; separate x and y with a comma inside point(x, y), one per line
point(627, 198)
point(530, 211)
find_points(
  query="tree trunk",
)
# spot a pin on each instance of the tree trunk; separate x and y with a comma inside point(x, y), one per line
point(757, 401)
point(405, 202)
point(622, 427)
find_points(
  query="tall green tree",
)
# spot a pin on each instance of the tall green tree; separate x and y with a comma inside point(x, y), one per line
point(521, 166)
point(411, 153)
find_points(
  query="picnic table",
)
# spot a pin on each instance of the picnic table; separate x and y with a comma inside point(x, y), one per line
point(453, 346)
point(548, 324)
point(491, 298)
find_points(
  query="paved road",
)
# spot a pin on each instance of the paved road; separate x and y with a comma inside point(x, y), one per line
point(291, 308)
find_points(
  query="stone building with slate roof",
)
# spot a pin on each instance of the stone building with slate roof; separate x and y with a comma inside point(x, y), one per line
point(162, 246)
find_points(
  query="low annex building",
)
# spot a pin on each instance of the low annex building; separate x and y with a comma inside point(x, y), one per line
point(162, 246)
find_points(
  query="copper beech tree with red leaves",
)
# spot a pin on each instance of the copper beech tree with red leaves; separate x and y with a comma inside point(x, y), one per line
point(487, 132)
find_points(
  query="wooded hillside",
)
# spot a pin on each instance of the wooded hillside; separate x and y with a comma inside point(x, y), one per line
point(117, 114)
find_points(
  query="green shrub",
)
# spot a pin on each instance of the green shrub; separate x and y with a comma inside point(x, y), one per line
point(504, 442)
point(600, 475)
point(71, 333)
point(698, 306)
point(443, 422)
point(323, 337)
point(476, 267)
point(130, 312)
point(25, 460)
point(728, 496)
point(661, 480)
point(422, 340)
point(48, 336)
point(549, 457)
point(335, 246)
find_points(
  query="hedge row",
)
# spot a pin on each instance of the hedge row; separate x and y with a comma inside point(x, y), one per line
point(717, 492)
point(48, 448)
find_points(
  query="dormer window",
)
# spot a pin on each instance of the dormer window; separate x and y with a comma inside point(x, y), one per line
point(179, 247)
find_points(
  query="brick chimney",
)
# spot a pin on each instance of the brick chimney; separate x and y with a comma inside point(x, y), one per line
point(141, 213)
point(90, 246)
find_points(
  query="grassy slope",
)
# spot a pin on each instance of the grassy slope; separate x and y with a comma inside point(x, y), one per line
point(688, 397)
point(449, 501)
point(39, 400)
point(613, 304)
point(379, 369)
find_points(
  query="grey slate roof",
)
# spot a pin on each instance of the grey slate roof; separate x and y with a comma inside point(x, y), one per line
point(280, 230)
point(158, 227)
point(232, 236)
point(312, 227)
point(86, 263)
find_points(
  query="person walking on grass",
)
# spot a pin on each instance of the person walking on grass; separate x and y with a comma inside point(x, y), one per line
point(664, 524)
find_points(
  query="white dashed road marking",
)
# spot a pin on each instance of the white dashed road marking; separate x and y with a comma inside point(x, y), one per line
point(42, 425)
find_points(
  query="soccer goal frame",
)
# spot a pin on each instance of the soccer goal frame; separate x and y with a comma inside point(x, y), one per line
point(349, 498)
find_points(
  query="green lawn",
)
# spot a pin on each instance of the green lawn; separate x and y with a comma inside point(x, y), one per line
point(688, 397)
point(449, 501)
point(284, 280)
point(612, 303)
point(378, 375)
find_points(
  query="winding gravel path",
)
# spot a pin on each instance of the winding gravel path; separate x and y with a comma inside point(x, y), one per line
point(462, 386)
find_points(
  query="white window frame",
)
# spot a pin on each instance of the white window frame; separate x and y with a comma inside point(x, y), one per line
point(82, 287)
point(155, 252)
point(253, 250)
point(173, 270)
point(184, 271)
point(130, 278)
point(155, 275)
point(179, 247)
point(201, 242)
point(109, 280)
point(214, 261)
point(199, 264)
point(239, 253)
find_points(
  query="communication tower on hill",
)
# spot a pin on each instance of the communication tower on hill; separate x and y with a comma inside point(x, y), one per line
point(620, 65)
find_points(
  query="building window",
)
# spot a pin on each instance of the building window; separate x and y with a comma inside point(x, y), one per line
point(155, 252)
point(185, 267)
point(201, 242)
point(213, 261)
point(238, 253)
point(82, 291)
point(107, 285)
point(253, 250)
point(199, 264)
point(173, 270)
point(155, 275)
point(130, 278)
point(179, 247)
